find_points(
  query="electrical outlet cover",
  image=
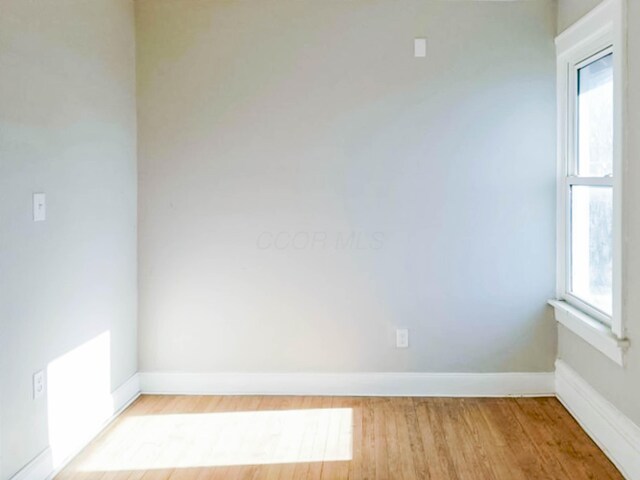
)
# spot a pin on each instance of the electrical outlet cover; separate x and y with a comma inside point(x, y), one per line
point(38, 384)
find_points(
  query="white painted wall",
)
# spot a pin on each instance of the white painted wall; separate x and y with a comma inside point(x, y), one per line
point(67, 128)
point(311, 120)
point(571, 10)
point(619, 385)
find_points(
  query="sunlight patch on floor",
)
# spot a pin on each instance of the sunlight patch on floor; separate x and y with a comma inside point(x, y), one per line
point(225, 438)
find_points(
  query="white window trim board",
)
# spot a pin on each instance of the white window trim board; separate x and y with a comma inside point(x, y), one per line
point(591, 331)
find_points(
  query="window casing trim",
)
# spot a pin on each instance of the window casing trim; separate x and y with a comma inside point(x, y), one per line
point(600, 33)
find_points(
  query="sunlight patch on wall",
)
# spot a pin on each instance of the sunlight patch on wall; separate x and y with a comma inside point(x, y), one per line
point(79, 396)
point(226, 438)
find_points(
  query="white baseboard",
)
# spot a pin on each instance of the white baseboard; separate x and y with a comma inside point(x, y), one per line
point(126, 393)
point(43, 467)
point(39, 468)
point(614, 432)
point(351, 384)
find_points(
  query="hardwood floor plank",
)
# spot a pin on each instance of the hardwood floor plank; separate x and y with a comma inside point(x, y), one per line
point(578, 447)
point(477, 446)
point(494, 444)
point(354, 467)
point(437, 451)
point(381, 450)
point(401, 408)
point(518, 444)
point(542, 438)
point(368, 464)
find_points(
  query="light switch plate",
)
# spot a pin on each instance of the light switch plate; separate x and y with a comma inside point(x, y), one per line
point(39, 207)
point(402, 338)
point(420, 47)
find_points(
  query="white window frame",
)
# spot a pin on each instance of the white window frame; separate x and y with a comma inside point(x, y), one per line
point(599, 33)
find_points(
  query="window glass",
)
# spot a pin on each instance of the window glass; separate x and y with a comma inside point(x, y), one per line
point(591, 245)
point(595, 118)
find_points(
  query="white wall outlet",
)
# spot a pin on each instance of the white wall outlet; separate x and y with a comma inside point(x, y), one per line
point(39, 207)
point(38, 384)
point(402, 338)
point(419, 47)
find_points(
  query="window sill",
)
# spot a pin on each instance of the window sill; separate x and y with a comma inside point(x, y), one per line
point(591, 331)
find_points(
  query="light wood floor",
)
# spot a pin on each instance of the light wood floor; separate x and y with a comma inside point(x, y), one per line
point(212, 437)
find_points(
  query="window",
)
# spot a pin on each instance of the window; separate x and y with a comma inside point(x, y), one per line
point(590, 112)
point(589, 184)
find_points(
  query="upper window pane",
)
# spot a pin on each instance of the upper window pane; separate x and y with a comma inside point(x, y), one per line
point(595, 118)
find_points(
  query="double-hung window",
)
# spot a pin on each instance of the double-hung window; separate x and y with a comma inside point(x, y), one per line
point(588, 189)
point(590, 62)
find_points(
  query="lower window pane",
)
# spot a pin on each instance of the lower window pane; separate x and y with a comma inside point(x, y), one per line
point(591, 245)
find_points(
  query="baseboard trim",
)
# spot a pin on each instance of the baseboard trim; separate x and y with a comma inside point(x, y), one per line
point(42, 466)
point(614, 432)
point(39, 468)
point(351, 384)
point(126, 394)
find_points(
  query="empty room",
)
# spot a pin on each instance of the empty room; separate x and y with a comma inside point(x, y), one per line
point(319, 239)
